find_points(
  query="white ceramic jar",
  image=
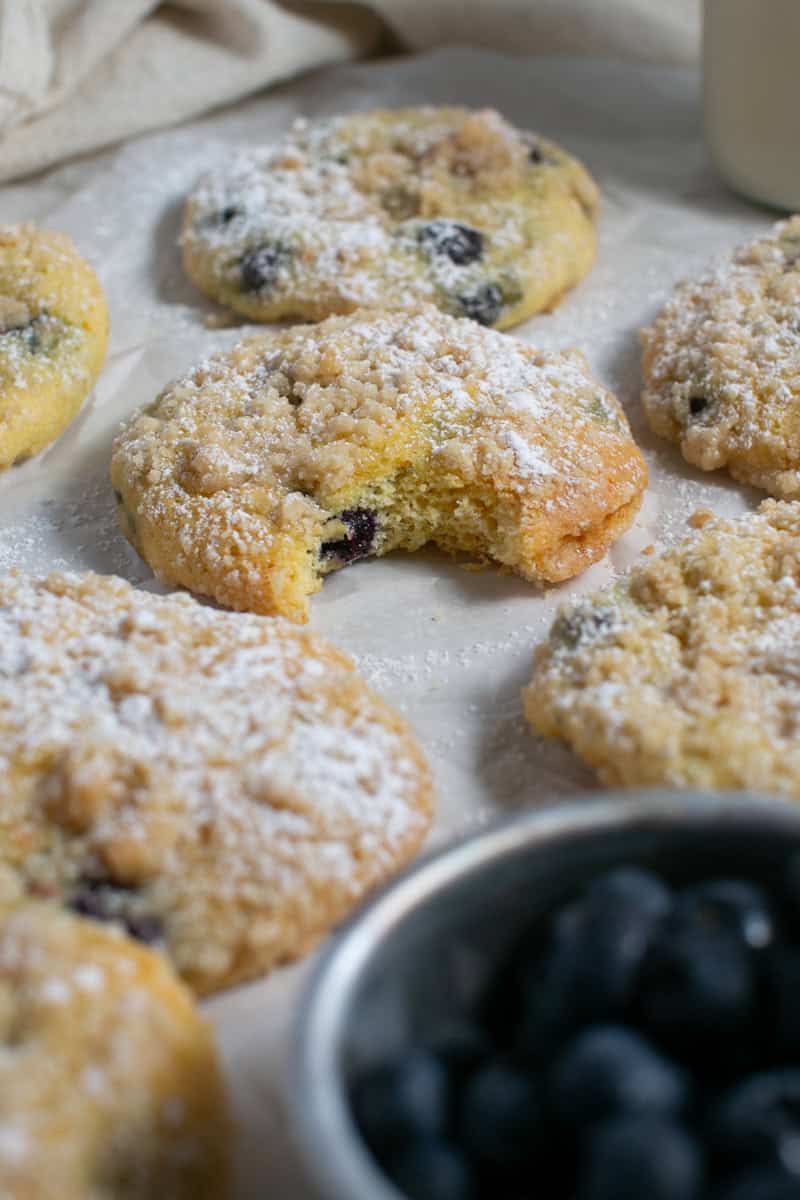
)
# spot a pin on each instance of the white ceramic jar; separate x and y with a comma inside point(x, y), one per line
point(751, 53)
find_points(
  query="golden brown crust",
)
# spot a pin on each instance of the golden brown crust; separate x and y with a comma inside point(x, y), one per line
point(222, 785)
point(686, 672)
point(109, 1082)
point(427, 427)
point(394, 208)
point(53, 334)
point(721, 366)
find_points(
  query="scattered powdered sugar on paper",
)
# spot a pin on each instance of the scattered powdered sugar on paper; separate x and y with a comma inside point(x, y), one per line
point(81, 524)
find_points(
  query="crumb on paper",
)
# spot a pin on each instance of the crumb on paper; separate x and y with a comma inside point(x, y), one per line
point(700, 517)
point(220, 320)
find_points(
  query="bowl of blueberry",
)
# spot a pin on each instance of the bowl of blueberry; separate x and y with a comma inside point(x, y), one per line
point(598, 1001)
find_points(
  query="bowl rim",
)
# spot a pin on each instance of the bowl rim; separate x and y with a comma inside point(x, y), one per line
point(334, 1156)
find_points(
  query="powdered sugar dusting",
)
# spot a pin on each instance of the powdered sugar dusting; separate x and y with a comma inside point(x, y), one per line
point(686, 673)
point(79, 1069)
point(391, 208)
point(722, 365)
point(156, 718)
point(530, 460)
point(283, 425)
point(52, 336)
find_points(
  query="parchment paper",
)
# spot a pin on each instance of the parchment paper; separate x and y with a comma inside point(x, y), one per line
point(450, 648)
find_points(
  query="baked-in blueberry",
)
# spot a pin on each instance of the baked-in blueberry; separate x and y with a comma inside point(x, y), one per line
point(583, 623)
point(484, 304)
point(608, 1070)
point(460, 243)
point(758, 1120)
point(698, 405)
point(228, 213)
point(733, 904)
point(105, 901)
point(40, 335)
point(358, 542)
point(260, 268)
point(763, 1183)
point(402, 1100)
point(429, 1169)
point(640, 1158)
point(501, 1116)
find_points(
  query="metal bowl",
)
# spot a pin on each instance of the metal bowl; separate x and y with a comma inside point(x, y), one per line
point(421, 951)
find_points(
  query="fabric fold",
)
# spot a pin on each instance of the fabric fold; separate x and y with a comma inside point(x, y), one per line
point(77, 75)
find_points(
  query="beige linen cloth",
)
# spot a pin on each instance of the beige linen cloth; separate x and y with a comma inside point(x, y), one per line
point(76, 75)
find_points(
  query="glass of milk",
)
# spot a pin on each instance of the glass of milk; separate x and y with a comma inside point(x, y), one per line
point(751, 62)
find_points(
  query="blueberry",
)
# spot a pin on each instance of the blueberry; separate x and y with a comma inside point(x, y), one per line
point(791, 892)
point(767, 1183)
point(260, 268)
point(483, 305)
point(632, 885)
point(450, 239)
point(228, 214)
point(640, 1158)
point(609, 1070)
point(105, 901)
point(698, 405)
point(733, 904)
point(462, 1047)
point(402, 1100)
point(545, 990)
point(621, 913)
point(696, 988)
point(501, 1116)
point(535, 154)
point(597, 945)
point(358, 542)
point(511, 985)
point(759, 1119)
point(431, 1170)
point(782, 1010)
